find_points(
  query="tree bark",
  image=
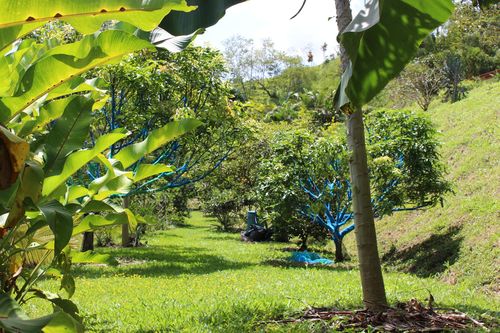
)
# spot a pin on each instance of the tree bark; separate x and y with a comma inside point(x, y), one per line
point(372, 282)
point(125, 229)
point(339, 254)
point(303, 243)
point(344, 17)
point(88, 241)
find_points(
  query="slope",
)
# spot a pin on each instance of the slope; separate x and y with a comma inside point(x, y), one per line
point(459, 242)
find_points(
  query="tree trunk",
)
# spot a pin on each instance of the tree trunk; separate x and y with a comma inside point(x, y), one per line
point(339, 254)
point(88, 241)
point(125, 229)
point(303, 243)
point(344, 17)
point(372, 281)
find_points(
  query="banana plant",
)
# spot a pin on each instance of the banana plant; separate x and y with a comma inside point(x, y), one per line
point(45, 110)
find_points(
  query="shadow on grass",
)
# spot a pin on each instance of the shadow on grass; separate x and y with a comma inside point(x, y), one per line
point(429, 256)
point(164, 261)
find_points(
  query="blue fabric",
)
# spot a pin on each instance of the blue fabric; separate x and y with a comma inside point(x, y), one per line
point(310, 258)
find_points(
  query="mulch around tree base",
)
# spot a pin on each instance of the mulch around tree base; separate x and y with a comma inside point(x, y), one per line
point(404, 317)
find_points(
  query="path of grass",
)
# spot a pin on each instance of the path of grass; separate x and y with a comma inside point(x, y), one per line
point(194, 279)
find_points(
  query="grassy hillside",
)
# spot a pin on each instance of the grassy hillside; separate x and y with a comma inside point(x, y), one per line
point(458, 243)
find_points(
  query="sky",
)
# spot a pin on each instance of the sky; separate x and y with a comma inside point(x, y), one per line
point(260, 19)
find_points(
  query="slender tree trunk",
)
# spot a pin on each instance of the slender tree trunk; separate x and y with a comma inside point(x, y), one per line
point(344, 17)
point(125, 229)
point(303, 243)
point(372, 281)
point(88, 241)
point(339, 254)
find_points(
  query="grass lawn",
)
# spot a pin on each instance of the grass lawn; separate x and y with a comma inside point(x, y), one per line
point(193, 279)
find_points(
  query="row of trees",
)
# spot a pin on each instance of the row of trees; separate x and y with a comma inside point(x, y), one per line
point(296, 175)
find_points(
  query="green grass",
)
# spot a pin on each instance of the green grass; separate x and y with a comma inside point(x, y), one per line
point(194, 279)
point(459, 243)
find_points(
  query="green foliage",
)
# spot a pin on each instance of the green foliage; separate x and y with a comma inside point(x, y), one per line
point(61, 64)
point(287, 111)
point(455, 243)
point(207, 14)
point(263, 286)
point(225, 206)
point(14, 319)
point(149, 90)
point(453, 70)
point(85, 17)
point(403, 148)
point(381, 41)
point(473, 36)
point(285, 166)
point(231, 188)
point(156, 139)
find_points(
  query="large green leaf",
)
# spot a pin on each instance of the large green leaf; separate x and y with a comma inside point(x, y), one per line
point(21, 16)
point(111, 184)
point(381, 40)
point(208, 13)
point(75, 192)
point(156, 139)
point(60, 222)
point(79, 85)
point(80, 158)
point(159, 37)
point(115, 181)
point(13, 319)
point(46, 114)
point(69, 132)
point(61, 64)
point(65, 305)
point(15, 63)
point(148, 170)
point(163, 40)
point(98, 206)
point(94, 222)
point(63, 323)
point(10, 34)
point(54, 109)
point(90, 257)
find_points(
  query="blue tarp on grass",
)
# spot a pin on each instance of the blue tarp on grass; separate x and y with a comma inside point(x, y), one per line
point(310, 258)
